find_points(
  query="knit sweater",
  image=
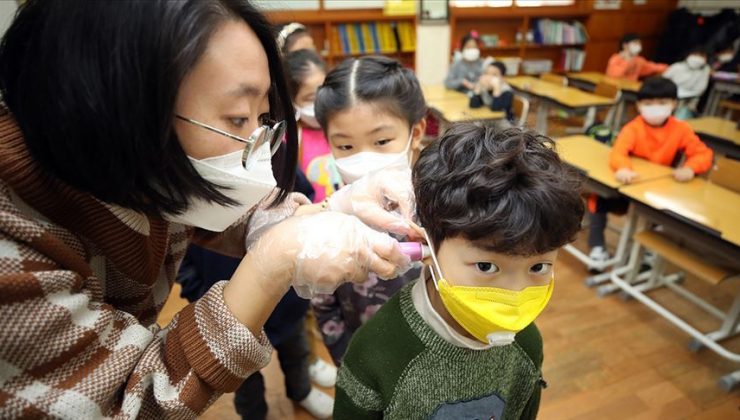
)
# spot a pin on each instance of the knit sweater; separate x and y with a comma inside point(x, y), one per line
point(81, 283)
point(660, 145)
point(397, 367)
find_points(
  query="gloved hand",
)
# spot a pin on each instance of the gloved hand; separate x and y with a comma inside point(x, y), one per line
point(264, 218)
point(321, 251)
point(383, 200)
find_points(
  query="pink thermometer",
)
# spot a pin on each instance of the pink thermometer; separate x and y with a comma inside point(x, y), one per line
point(415, 250)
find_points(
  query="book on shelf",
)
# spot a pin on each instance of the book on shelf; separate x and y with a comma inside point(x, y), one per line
point(572, 59)
point(555, 32)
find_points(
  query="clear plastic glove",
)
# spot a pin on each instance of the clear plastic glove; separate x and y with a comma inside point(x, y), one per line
point(383, 200)
point(264, 218)
point(319, 252)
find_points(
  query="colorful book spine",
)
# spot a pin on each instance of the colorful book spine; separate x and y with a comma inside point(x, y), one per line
point(376, 40)
point(360, 38)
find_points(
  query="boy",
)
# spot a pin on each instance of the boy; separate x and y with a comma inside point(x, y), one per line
point(629, 64)
point(654, 135)
point(460, 342)
point(493, 91)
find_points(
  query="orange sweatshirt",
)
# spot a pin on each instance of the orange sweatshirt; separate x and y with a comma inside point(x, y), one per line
point(632, 69)
point(660, 145)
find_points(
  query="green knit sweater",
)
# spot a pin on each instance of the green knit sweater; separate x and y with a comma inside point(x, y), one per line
point(397, 367)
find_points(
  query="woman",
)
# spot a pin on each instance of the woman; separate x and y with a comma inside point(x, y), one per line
point(123, 139)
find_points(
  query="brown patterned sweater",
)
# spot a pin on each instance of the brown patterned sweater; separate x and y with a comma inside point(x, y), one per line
point(81, 283)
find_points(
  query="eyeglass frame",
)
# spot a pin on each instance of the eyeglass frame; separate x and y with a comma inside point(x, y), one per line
point(274, 133)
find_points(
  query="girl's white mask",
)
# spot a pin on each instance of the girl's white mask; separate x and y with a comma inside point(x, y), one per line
point(352, 168)
point(307, 115)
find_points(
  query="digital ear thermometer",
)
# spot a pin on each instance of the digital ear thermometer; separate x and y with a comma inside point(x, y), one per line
point(415, 250)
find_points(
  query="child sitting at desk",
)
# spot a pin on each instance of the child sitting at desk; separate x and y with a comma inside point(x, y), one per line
point(460, 342)
point(654, 135)
point(493, 91)
point(629, 64)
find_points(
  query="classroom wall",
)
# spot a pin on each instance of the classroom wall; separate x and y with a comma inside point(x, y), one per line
point(7, 12)
point(432, 41)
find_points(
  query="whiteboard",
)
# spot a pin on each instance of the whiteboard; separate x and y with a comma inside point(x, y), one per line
point(286, 4)
point(353, 4)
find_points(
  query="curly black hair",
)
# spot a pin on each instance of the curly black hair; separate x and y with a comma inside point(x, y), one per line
point(505, 189)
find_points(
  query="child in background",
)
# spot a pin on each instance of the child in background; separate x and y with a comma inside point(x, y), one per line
point(691, 76)
point(464, 73)
point(372, 111)
point(725, 58)
point(461, 342)
point(629, 64)
point(654, 135)
point(294, 37)
point(493, 91)
point(306, 71)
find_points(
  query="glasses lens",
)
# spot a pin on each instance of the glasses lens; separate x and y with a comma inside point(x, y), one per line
point(255, 141)
point(278, 133)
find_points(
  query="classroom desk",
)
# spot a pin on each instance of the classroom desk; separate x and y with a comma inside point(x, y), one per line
point(724, 85)
point(453, 106)
point(591, 157)
point(720, 134)
point(629, 88)
point(699, 203)
point(563, 97)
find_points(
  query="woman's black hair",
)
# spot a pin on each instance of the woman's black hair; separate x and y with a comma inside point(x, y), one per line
point(374, 79)
point(657, 87)
point(92, 85)
point(297, 66)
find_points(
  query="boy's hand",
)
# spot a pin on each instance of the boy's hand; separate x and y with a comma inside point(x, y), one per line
point(626, 176)
point(683, 174)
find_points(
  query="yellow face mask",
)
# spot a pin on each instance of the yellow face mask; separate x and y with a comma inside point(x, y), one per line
point(490, 314)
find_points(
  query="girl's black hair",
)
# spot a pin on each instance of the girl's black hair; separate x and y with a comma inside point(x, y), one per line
point(371, 79)
point(297, 65)
point(92, 85)
point(295, 30)
point(467, 37)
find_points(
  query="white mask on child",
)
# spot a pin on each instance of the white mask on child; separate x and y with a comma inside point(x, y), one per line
point(656, 114)
point(470, 54)
point(307, 116)
point(696, 61)
point(352, 168)
point(247, 187)
point(635, 48)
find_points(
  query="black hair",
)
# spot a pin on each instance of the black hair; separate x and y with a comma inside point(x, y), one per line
point(298, 64)
point(628, 37)
point(657, 88)
point(505, 189)
point(93, 84)
point(699, 49)
point(500, 66)
point(374, 79)
point(467, 37)
point(294, 31)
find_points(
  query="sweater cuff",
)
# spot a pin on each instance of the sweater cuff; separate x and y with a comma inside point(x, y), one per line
point(220, 349)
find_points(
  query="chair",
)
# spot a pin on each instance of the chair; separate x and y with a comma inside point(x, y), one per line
point(726, 173)
point(521, 110)
point(730, 106)
point(581, 124)
point(554, 78)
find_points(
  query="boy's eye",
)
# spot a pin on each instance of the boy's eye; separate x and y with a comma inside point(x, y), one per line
point(486, 267)
point(344, 147)
point(541, 268)
point(383, 142)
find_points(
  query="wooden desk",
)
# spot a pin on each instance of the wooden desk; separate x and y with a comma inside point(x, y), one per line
point(720, 134)
point(594, 78)
point(700, 202)
point(592, 157)
point(434, 92)
point(566, 98)
point(458, 110)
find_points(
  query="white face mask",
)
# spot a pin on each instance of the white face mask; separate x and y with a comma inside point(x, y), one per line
point(655, 114)
point(470, 54)
point(308, 116)
point(725, 58)
point(635, 48)
point(696, 61)
point(352, 168)
point(245, 187)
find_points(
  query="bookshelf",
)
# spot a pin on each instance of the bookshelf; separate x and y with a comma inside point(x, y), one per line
point(604, 29)
point(327, 27)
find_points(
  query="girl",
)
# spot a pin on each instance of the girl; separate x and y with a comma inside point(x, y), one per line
point(372, 112)
point(464, 73)
point(294, 37)
point(306, 72)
